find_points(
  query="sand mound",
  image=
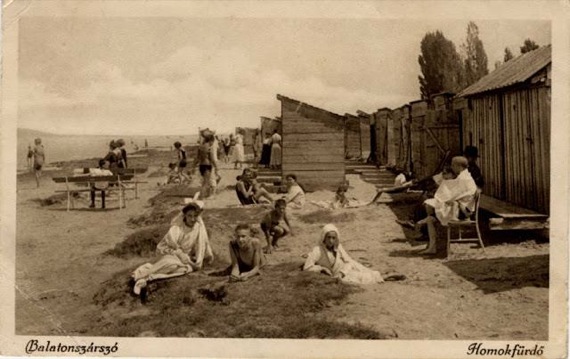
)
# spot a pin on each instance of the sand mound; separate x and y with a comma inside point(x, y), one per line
point(273, 305)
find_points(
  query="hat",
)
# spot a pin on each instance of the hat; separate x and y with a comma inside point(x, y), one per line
point(471, 151)
point(207, 133)
point(192, 203)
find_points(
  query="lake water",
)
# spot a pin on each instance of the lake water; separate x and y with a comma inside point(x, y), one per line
point(77, 147)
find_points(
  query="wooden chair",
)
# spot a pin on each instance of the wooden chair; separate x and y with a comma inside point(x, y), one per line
point(466, 223)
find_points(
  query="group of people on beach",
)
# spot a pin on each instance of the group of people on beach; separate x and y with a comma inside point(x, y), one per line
point(186, 248)
point(270, 150)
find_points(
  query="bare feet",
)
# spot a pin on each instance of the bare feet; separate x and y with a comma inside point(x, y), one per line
point(428, 251)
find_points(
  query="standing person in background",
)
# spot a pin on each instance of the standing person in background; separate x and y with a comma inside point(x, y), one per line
point(30, 158)
point(207, 164)
point(226, 143)
point(112, 157)
point(215, 151)
point(256, 147)
point(145, 143)
point(181, 156)
point(39, 159)
point(123, 158)
point(239, 155)
point(275, 162)
point(231, 154)
point(266, 151)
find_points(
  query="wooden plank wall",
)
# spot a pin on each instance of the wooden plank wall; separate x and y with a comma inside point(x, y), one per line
point(527, 148)
point(313, 145)
point(381, 120)
point(393, 137)
point(404, 154)
point(364, 122)
point(268, 125)
point(483, 128)
point(418, 114)
point(352, 136)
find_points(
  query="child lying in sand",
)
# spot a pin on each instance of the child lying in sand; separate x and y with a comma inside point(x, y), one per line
point(340, 199)
point(272, 225)
point(246, 255)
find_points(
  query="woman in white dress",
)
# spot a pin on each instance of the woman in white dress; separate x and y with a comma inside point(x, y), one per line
point(239, 156)
point(184, 248)
point(275, 161)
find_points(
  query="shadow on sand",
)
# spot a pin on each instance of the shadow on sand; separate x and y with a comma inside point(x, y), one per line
point(502, 274)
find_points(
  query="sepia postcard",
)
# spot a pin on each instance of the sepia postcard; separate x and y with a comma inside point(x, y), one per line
point(285, 179)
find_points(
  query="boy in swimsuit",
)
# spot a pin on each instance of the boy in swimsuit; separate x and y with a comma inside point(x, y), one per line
point(272, 225)
point(246, 254)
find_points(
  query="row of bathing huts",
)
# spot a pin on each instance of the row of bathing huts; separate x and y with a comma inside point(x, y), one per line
point(506, 115)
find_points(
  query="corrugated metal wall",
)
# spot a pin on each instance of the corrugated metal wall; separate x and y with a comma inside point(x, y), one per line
point(313, 145)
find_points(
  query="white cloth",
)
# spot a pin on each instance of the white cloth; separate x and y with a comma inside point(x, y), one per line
point(452, 196)
point(340, 265)
point(179, 241)
point(97, 172)
point(400, 180)
point(239, 154)
point(295, 196)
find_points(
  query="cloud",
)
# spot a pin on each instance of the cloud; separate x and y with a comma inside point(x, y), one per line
point(192, 88)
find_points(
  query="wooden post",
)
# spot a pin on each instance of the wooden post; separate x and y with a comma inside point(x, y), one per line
point(68, 193)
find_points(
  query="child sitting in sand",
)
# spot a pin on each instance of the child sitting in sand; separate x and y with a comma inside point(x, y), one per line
point(340, 199)
point(272, 225)
point(172, 176)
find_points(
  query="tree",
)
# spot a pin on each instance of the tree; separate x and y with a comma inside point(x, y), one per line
point(528, 45)
point(508, 54)
point(440, 65)
point(475, 62)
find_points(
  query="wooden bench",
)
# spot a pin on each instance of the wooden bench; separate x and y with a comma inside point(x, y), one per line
point(507, 216)
point(116, 183)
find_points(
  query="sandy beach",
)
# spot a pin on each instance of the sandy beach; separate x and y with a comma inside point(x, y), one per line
point(71, 276)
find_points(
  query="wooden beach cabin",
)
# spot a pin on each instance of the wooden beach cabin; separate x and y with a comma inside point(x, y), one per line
point(352, 147)
point(365, 122)
point(434, 132)
point(382, 118)
point(313, 144)
point(506, 115)
point(401, 131)
point(269, 125)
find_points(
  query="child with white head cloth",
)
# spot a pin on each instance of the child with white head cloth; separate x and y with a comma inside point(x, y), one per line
point(329, 257)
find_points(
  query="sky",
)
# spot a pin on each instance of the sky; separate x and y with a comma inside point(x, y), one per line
point(168, 75)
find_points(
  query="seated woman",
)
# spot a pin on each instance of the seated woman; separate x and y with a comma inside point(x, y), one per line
point(184, 248)
point(295, 196)
point(329, 257)
point(248, 190)
point(246, 254)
